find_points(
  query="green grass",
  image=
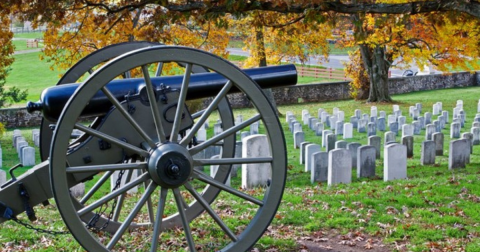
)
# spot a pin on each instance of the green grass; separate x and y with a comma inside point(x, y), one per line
point(29, 72)
point(29, 35)
point(433, 208)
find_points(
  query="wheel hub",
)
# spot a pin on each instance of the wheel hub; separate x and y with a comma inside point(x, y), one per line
point(170, 165)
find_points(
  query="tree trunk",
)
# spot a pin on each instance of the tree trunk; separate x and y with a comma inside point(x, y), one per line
point(262, 61)
point(377, 67)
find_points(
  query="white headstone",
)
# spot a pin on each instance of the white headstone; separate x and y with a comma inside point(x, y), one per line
point(201, 135)
point(319, 172)
point(309, 150)
point(407, 130)
point(395, 162)
point(78, 191)
point(254, 175)
point(28, 156)
point(339, 167)
point(347, 131)
point(459, 153)
point(3, 177)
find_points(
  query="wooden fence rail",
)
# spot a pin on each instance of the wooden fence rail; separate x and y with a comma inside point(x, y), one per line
point(324, 73)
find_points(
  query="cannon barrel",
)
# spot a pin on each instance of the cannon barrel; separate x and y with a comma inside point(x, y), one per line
point(202, 85)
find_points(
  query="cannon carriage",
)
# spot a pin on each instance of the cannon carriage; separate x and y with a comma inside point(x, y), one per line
point(135, 123)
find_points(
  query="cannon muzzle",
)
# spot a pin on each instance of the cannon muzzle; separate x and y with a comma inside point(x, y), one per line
point(202, 85)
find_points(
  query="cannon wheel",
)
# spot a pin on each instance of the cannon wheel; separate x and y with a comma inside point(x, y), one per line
point(263, 202)
point(93, 60)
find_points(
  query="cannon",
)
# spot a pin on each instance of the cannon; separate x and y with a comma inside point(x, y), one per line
point(131, 108)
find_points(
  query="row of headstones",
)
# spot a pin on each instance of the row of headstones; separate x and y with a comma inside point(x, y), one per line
point(363, 157)
point(26, 153)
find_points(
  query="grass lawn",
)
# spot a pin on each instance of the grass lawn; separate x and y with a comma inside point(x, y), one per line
point(29, 35)
point(29, 72)
point(435, 209)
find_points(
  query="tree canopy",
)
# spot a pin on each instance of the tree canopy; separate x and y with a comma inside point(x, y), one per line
point(387, 32)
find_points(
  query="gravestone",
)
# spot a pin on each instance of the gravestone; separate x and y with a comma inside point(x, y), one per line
point(259, 174)
point(353, 147)
point(354, 121)
point(391, 119)
point(417, 128)
point(19, 146)
point(319, 172)
point(421, 119)
point(339, 167)
point(436, 109)
point(441, 119)
point(438, 139)
point(35, 132)
point(427, 156)
point(393, 127)
point(476, 124)
point(366, 161)
point(463, 117)
point(296, 127)
point(407, 130)
point(469, 137)
point(470, 146)
point(28, 156)
point(291, 125)
point(373, 119)
point(324, 136)
point(401, 121)
point(394, 162)
point(397, 113)
point(312, 123)
point(438, 128)
point(335, 111)
point(319, 129)
point(217, 128)
point(238, 154)
point(408, 142)
point(78, 191)
point(376, 142)
point(381, 123)
point(330, 142)
point(1, 159)
point(373, 111)
point(319, 113)
point(201, 135)
point(428, 118)
point(341, 144)
point(298, 138)
point(302, 151)
point(382, 114)
point(395, 107)
point(339, 128)
point(445, 116)
point(419, 107)
point(358, 113)
point(476, 135)
point(455, 130)
point(415, 114)
point(36, 140)
point(410, 111)
point(333, 122)
point(309, 150)
point(17, 140)
point(340, 116)
point(3, 177)
point(459, 150)
point(389, 137)
point(347, 131)
point(327, 122)
point(323, 119)
point(429, 131)
point(238, 119)
point(372, 129)
point(361, 126)
point(366, 117)
point(305, 118)
point(287, 115)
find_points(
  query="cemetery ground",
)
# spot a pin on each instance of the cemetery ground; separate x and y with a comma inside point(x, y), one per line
point(435, 209)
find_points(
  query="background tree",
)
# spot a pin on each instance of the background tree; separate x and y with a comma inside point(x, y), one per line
point(374, 34)
point(12, 94)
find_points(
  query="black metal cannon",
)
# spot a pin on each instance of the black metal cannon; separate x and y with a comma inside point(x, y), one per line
point(142, 134)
